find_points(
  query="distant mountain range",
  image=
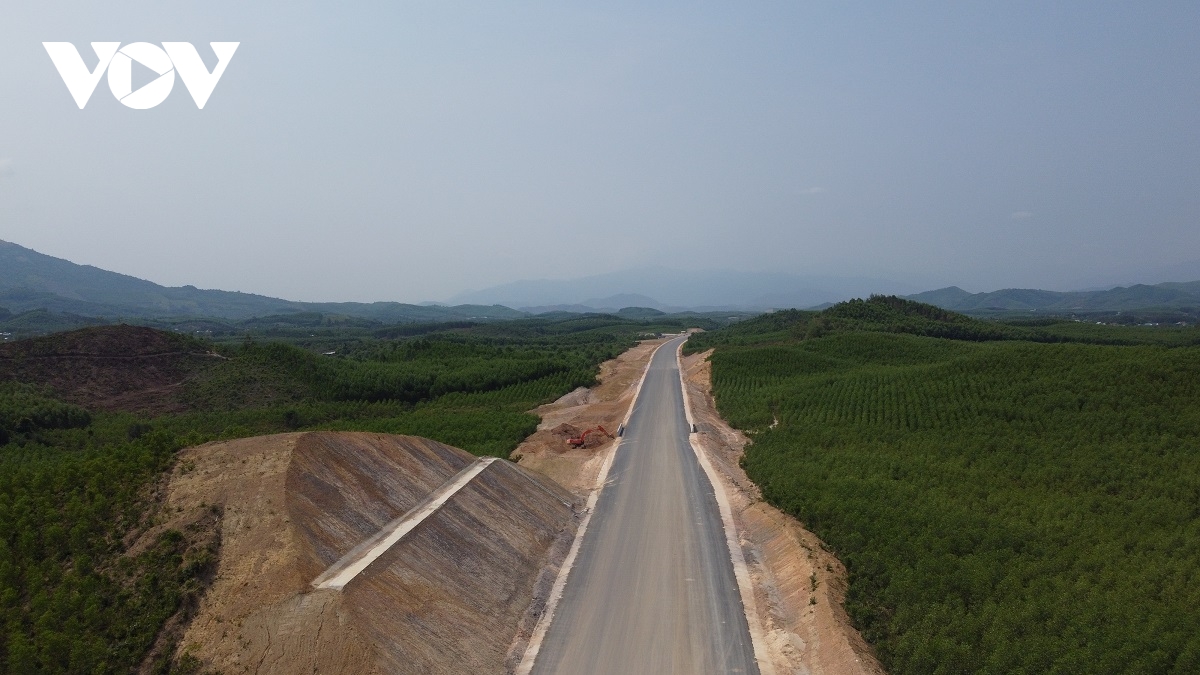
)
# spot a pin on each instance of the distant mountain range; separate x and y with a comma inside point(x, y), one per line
point(30, 280)
point(675, 290)
point(698, 290)
point(57, 292)
point(1171, 295)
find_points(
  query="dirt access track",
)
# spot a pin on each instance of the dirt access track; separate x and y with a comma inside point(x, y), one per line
point(799, 585)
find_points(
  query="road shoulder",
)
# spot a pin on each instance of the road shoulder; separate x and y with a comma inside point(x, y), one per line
point(799, 586)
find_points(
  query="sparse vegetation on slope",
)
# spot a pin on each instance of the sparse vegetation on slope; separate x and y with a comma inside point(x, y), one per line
point(1002, 506)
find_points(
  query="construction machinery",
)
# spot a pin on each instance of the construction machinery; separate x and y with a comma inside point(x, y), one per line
point(578, 441)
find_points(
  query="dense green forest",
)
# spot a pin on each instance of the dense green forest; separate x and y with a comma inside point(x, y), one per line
point(74, 481)
point(1006, 498)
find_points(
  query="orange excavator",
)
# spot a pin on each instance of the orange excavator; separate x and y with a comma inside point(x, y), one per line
point(578, 441)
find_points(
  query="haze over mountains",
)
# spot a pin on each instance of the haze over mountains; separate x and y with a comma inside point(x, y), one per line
point(1169, 295)
point(670, 289)
point(32, 281)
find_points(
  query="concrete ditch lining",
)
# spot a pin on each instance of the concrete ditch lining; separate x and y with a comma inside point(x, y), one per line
point(361, 556)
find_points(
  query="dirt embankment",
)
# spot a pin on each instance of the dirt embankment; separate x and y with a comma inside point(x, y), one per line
point(800, 587)
point(456, 594)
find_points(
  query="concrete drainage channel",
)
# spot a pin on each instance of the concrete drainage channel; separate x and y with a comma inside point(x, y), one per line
point(360, 557)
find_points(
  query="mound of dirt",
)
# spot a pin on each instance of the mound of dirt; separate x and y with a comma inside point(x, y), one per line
point(129, 368)
point(566, 431)
point(458, 593)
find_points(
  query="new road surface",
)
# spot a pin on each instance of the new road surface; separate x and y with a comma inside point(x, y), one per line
point(652, 590)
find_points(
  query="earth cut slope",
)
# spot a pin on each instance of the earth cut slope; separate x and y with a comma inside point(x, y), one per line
point(457, 592)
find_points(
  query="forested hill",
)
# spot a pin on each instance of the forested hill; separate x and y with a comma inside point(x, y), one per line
point(33, 281)
point(1140, 296)
point(891, 314)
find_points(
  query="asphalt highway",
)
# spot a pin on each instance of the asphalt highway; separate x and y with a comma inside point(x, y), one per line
point(652, 590)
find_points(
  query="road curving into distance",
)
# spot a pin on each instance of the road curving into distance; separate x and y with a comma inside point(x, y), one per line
point(652, 590)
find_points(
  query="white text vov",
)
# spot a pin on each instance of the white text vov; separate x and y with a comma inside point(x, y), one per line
point(167, 60)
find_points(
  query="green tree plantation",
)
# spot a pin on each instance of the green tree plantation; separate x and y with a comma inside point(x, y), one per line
point(1003, 505)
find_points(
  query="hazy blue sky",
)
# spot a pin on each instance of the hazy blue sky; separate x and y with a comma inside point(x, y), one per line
point(412, 150)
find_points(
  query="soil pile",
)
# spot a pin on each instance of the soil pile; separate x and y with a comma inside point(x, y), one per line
point(457, 594)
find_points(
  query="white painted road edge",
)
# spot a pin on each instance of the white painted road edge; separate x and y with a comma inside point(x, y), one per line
point(745, 587)
point(560, 582)
point(360, 557)
point(638, 392)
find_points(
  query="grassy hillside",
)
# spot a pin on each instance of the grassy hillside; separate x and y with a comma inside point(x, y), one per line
point(1003, 506)
point(76, 479)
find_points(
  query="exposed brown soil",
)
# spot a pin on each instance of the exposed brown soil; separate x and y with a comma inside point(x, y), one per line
point(604, 405)
point(127, 368)
point(800, 587)
point(337, 495)
point(457, 594)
